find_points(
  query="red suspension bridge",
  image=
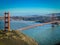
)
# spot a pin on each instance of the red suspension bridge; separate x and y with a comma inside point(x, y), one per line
point(7, 22)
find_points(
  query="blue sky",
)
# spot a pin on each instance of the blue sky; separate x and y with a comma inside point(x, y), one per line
point(29, 7)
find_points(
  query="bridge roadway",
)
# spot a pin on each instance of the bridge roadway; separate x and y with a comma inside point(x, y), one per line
point(33, 26)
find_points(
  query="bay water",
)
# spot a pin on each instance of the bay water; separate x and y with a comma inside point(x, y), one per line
point(43, 35)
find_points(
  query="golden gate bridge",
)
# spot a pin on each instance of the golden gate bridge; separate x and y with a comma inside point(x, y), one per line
point(53, 21)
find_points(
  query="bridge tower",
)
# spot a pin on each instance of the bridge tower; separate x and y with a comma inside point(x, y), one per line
point(54, 19)
point(6, 21)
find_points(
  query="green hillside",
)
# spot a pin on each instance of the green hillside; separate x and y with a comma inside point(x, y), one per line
point(15, 38)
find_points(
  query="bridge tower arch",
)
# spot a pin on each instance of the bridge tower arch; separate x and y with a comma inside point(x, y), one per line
point(6, 21)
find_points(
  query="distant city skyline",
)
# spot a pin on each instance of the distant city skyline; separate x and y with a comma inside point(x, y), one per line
point(29, 7)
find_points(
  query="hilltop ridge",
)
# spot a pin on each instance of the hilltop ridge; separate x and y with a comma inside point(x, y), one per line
point(15, 38)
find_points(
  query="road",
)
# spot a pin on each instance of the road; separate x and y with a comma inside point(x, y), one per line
point(33, 26)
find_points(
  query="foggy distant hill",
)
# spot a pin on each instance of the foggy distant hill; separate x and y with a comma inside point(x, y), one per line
point(32, 17)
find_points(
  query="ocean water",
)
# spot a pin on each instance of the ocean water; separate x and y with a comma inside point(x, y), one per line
point(43, 35)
